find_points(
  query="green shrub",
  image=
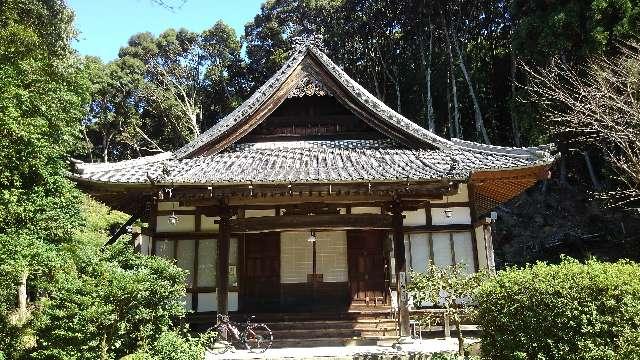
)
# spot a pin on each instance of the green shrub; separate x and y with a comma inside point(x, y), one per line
point(565, 311)
point(174, 345)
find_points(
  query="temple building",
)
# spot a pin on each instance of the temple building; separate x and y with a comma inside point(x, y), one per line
point(313, 196)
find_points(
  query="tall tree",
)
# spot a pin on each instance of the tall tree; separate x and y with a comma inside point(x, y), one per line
point(178, 83)
point(599, 109)
point(42, 100)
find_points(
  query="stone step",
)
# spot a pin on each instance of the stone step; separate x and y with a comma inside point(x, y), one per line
point(295, 317)
point(316, 334)
point(366, 324)
point(317, 342)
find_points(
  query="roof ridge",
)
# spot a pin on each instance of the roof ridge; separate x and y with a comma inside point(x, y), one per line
point(535, 151)
point(255, 100)
point(376, 104)
point(88, 168)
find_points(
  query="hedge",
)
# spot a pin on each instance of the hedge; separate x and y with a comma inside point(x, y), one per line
point(566, 311)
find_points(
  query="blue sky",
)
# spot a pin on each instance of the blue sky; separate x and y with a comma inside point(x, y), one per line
point(105, 26)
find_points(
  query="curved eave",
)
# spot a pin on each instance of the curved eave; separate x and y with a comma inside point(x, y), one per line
point(491, 187)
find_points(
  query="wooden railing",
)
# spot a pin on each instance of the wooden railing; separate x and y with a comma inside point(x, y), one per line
point(444, 325)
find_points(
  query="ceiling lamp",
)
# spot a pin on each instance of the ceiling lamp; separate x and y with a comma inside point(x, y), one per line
point(447, 211)
point(312, 237)
point(173, 218)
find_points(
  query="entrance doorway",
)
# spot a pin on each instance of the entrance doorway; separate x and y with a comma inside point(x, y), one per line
point(260, 278)
point(366, 266)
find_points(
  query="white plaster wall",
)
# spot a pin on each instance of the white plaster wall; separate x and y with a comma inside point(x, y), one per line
point(187, 299)
point(407, 249)
point(461, 196)
point(209, 301)
point(296, 256)
point(233, 261)
point(482, 250)
point(441, 249)
point(185, 254)
point(208, 224)
point(415, 218)
point(365, 210)
point(459, 215)
point(173, 205)
point(420, 255)
point(259, 213)
point(164, 249)
point(463, 248)
point(331, 255)
point(186, 223)
point(145, 244)
point(207, 260)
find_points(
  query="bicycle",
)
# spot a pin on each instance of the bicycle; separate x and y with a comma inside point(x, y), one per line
point(257, 338)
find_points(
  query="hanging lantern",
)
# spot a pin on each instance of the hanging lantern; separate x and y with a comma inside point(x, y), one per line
point(312, 237)
point(447, 211)
point(173, 219)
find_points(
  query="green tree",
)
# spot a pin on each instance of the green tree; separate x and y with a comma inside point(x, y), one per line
point(42, 100)
point(62, 295)
point(162, 91)
point(451, 288)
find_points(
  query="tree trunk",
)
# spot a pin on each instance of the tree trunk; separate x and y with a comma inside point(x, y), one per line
point(89, 145)
point(22, 297)
point(426, 64)
point(457, 320)
point(449, 119)
point(396, 83)
point(103, 348)
point(592, 173)
point(460, 339)
point(563, 168)
point(515, 126)
point(106, 141)
point(454, 89)
point(480, 129)
point(193, 124)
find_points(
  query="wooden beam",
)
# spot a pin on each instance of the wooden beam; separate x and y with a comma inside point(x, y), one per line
point(277, 193)
point(436, 228)
point(474, 240)
point(123, 229)
point(449, 204)
point(317, 222)
point(401, 269)
point(185, 235)
point(222, 279)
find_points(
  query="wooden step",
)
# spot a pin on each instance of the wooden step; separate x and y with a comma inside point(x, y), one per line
point(368, 341)
point(316, 334)
point(328, 333)
point(366, 324)
point(294, 317)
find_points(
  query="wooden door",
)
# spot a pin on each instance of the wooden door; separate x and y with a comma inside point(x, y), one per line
point(260, 283)
point(366, 264)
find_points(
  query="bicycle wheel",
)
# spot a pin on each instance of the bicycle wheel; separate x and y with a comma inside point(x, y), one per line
point(258, 338)
point(215, 343)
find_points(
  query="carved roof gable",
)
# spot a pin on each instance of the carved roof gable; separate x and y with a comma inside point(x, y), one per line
point(310, 72)
point(309, 85)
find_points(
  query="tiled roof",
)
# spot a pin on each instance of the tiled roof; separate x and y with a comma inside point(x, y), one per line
point(266, 91)
point(431, 158)
point(313, 161)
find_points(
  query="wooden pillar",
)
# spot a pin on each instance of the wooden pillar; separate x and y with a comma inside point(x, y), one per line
point(401, 268)
point(488, 243)
point(222, 280)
